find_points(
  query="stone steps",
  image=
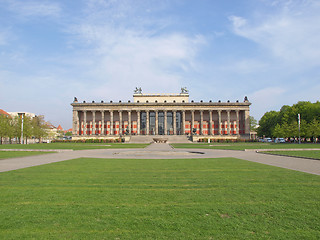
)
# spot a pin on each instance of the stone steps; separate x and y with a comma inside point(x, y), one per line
point(149, 138)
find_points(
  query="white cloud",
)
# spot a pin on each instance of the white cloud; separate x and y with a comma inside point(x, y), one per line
point(129, 55)
point(238, 22)
point(273, 98)
point(34, 8)
point(245, 66)
point(129, 58)
point(291, 34)
point(267, 99)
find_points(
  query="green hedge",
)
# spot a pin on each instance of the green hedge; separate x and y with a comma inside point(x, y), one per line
point(117, 140)
point(205, 140)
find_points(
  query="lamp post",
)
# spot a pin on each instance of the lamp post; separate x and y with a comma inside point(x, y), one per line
point(299, 127)
point(21, 116)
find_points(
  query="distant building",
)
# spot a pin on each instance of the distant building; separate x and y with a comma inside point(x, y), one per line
point(59, 128)
point(2, 112)
point(14, 114)
point(69, 130)
point(161, 114)
point(52, 131)
point(55, 132)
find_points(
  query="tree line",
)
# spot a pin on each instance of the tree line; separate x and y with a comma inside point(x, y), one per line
point(285, 123)
point(10, 128)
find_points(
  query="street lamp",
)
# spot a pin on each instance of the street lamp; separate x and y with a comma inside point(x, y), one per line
point(21, 116)
point(299, 127)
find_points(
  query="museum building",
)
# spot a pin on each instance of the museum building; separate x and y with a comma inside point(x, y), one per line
point(161, 114)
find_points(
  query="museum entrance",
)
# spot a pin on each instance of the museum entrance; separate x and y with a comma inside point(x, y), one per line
point(152, 123)
point(143, 123)
point(169, 123)
point(161, 123)
point(179, 123)
point(173, 125)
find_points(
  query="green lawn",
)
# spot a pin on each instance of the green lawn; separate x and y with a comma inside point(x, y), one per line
point(4, 154)
point(74, 146)
point(159, 199)
point(307, 154)
point(243, 146)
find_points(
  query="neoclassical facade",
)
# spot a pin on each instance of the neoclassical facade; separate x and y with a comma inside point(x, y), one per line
point(161, 114)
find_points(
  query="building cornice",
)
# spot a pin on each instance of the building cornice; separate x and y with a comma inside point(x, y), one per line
point(189, 104)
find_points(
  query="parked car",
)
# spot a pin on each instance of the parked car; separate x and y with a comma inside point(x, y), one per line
point(67, 138)
point(267, 140)
point(279, 140)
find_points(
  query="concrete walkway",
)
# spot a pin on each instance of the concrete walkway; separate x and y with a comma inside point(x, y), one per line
point(164, 151)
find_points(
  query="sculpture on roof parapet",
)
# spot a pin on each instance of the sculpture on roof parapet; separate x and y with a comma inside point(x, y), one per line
point(184, 90)
point(138, 90)
point(75, 99)
point(246, 99)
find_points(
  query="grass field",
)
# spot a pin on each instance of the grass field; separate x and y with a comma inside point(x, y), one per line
point(243, 146)
point(307, 154)
point(74, 146)
point(4, 154)
point(159, 199)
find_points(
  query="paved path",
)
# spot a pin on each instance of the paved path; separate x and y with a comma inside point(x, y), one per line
point(158, 151)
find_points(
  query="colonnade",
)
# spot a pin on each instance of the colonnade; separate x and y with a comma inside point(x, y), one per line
point(161, 122)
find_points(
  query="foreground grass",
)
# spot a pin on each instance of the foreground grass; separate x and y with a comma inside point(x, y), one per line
point(306, 154)
point(159, 199)
point(243, 146)
point(74, 146)
point(4, 154)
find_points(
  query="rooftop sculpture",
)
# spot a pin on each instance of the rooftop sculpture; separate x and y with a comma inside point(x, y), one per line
point(138, 90)
point(184, 90)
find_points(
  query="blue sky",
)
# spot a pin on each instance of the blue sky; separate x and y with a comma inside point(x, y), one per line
point(52, 51)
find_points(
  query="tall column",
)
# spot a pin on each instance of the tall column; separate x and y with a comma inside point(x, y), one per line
point(93, 123)
point(147, 122)
point(165, 122)
point(138, 123)
point(201, 122)
point(174, 122)
point(157, 122)
point(228, 121)
point(219, 126)
point(211, 131)
point(84, 122)
point(183, 122)
point(102, 123)
point(78, 124)
point(237, 128)
point(111, 122)
point(247, 122)
point(129, 122)
point(75, 125)
point(120, 122)
point(192, 120)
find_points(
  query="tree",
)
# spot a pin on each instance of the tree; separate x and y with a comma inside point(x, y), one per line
point(314, 129)
point(285, 122)
point(4, 127)
point(68, 134)
point(267, 124)
point(305, 130)
point(10, 127)
point(39, 127)
point(293, 130)
point(253, 123)
point(14, 130)
point(27, 128)
point(279, 131)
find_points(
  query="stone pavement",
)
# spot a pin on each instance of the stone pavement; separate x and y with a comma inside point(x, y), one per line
point(163, 151)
